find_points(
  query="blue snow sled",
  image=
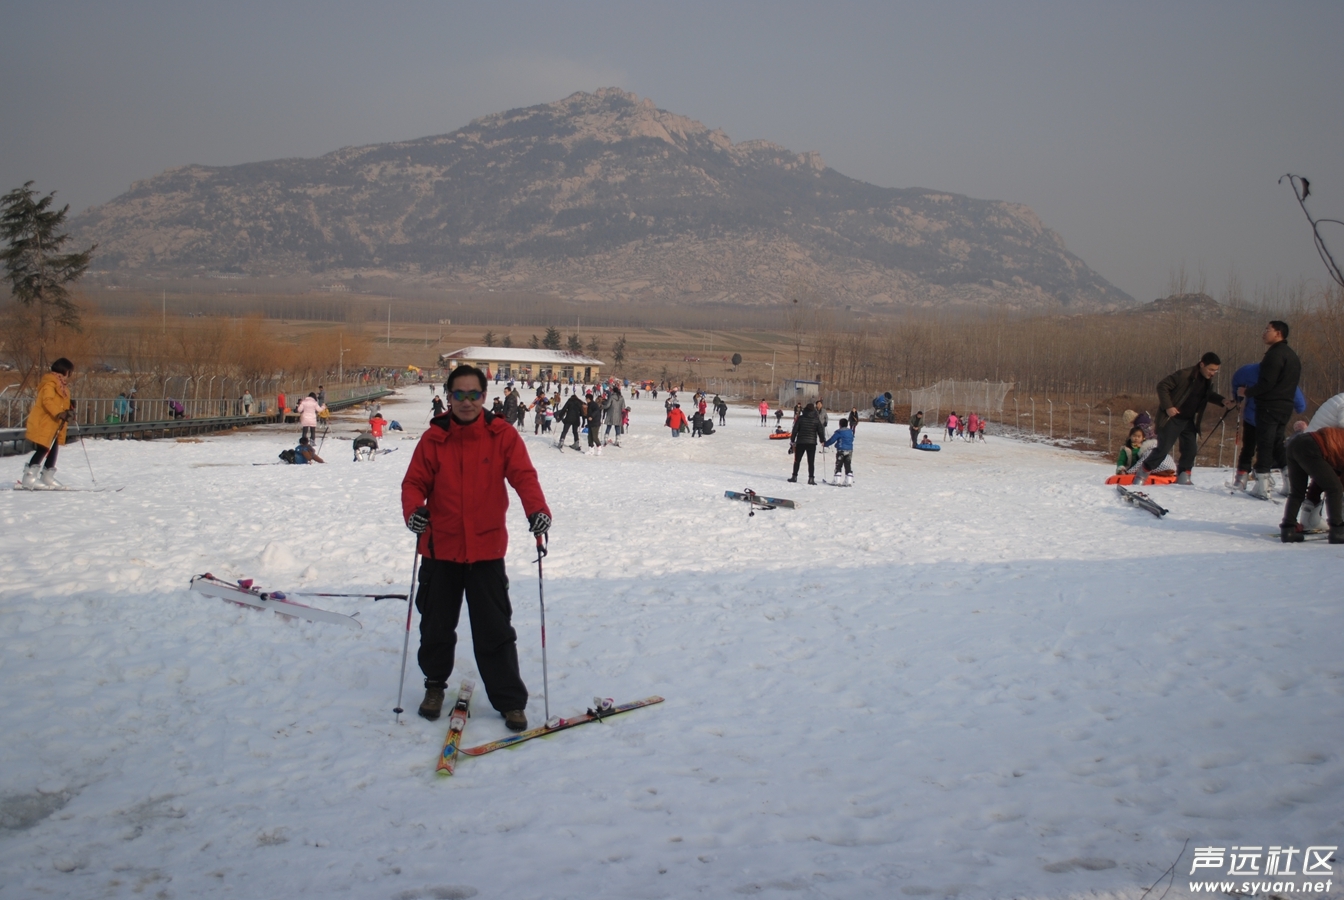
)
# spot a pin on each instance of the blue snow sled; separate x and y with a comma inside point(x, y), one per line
point(927, 447)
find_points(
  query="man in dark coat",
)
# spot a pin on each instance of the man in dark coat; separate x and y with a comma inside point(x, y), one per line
point(1182, 397)
point(572, 415)
point(916, 423)
point(807, 429)
point(1280, 371)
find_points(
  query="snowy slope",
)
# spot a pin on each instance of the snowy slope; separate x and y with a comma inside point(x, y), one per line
point(974, 674)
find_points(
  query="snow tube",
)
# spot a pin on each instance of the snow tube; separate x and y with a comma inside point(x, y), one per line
point(928, 447)
point(783, 436)
point(1152, 479)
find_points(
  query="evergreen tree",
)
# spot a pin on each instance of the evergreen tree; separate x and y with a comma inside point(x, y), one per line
point(618, 352)
point(37, 270)
point(552, 339)
point(533, 343)
point(575, 345)
point(594, 346)
point(508, 340)
point(489, 339)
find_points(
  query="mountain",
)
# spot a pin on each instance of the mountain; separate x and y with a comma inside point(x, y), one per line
point(597, 196)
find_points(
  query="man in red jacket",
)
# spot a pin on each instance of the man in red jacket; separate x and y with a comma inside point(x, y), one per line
point(453, 496)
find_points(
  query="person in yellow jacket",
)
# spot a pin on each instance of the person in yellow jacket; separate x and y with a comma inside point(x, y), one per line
point(52, 408)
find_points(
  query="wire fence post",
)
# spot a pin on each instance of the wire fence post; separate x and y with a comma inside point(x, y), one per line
point(1033, 415)
point(1068, 420)
point(1051, 404)
point(1109, 444)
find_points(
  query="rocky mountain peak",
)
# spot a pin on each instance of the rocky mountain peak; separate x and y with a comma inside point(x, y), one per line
point(597, 195)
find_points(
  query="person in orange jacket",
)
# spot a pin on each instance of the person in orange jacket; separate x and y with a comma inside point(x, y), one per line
point(676, 419)
point(52, 410)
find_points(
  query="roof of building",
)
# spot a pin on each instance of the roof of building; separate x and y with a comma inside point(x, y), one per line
point(522, 355)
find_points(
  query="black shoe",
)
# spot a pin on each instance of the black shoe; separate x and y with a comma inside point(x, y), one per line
point(432, 705)
point(515, 720)
point(793, 478)
point(1290, 535)
point(1336, 535)
point(811, 480)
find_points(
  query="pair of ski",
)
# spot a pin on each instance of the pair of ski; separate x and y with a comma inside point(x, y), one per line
point(759, 501)
point(67, 489)
point(1141, 500)
point(244, 593)
point(457, 721)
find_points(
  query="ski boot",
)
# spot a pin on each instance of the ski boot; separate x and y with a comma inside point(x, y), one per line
point(849, 480)
point(1140, 476)
point(1239, 481)
point(1184, 478)
point(29, 480)
point(1260, 488)
point(1310, 520)
point(1336, 535)
point(1281, 486)
point(1291, 534)
point(49, 481)
point(515, 720)
point(432, 705)
point(811, 480)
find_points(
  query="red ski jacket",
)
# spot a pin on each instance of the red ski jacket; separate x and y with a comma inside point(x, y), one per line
point(458, 471)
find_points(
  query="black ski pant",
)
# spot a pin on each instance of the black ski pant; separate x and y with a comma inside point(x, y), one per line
point(1178, 430)
point(439, 600)
point(1271, 420)
point(914, 437)
point(811, 451)
point(48, 452)
point(564, 431)
point(843, 459)
point(1306, 463)
point(1246, 457)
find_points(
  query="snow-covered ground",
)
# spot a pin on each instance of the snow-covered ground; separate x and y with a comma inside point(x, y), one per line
point(974, 674)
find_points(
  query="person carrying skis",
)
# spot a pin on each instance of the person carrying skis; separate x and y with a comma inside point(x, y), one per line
point(1316, 457)
point(308, 409)
point(843, 440)
point(1273, 392)
point(454, 498)
point(47, 424)
point(1182, 397)
point(916, 423)
point(571, 415)
point(1245, 377)
point(807, 430)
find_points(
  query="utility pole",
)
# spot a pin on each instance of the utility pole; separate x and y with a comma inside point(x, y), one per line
point(165, 312)
point(389, 326)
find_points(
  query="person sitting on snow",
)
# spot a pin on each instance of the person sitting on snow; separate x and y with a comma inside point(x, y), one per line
point(304, 453)
point(1131, 454)
point(925, 442)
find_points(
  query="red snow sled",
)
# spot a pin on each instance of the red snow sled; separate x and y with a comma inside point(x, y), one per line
point(1152, 479)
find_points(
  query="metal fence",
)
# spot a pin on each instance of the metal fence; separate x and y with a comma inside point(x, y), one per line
point(141, 409)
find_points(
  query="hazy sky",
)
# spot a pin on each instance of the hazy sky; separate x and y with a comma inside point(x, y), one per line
point(1148, 135)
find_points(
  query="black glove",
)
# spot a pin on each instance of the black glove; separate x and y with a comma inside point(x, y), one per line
point(539, 523)
point(419, 520)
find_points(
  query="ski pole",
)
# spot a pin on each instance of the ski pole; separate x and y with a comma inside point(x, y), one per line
point(542, 542)
point(1200, 449)
point(406, 642)
point(80, 433)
